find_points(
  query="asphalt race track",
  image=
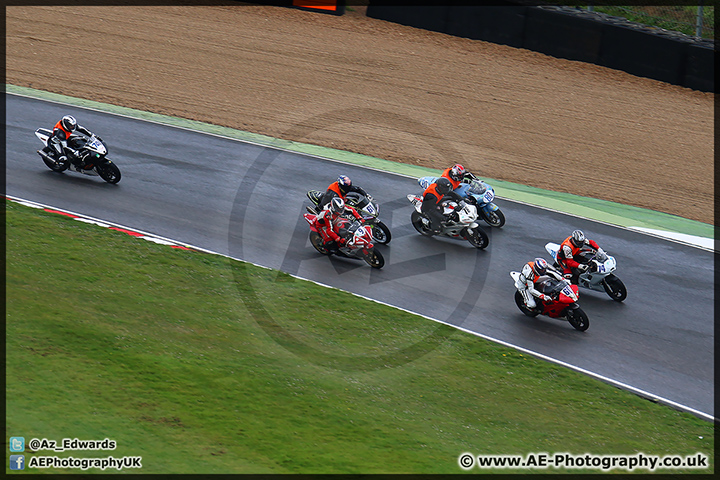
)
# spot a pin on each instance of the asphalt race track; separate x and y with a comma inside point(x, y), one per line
point(246, 201)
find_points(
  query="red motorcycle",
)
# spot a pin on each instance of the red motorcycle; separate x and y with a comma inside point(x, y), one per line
point(563, 303)
point(359, 241)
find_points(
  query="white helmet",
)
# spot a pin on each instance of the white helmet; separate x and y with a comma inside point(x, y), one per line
point(578, 238)
point(337, 205)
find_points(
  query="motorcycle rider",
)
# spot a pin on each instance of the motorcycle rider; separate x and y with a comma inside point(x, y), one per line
point(339, 188)
point(457, 174)
point(58, 141)
point(569, 248)
point(433, 197)
point(331, 219)
point(529, 275)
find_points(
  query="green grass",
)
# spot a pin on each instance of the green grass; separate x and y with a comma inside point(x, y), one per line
point(677, 18)
point(168, 352)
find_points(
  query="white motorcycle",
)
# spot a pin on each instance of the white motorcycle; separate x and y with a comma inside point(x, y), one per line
point(91, 149)
point(600, 274)
point(466, 227)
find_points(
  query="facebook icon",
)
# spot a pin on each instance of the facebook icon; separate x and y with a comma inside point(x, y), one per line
point(17, 462)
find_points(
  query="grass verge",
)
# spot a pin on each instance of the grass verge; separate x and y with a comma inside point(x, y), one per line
point(112, 337)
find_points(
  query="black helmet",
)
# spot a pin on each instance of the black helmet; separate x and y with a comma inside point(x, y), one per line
point(457, 172)
point(540, 266)
point(578, 238)
point(69, 123)
point(337, 205)
point(443, 185)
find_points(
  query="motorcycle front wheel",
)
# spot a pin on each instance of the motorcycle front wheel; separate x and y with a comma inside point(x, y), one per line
point(520, 302)
point(375, 259)
point(615, 288)
point(381, 233)
point(317, 243)
point(477, 237)
point(109, 172)
point(494, 219)
point(578, 319)
point(417, 222)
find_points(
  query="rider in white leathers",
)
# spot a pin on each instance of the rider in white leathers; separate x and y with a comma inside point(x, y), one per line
point(530, 273)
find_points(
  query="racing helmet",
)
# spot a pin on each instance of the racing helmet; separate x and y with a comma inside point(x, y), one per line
point(337, 205)
point(540, 266)
point(344, 181)
point(69, 123)
point(443, 185)
point(457, 172)
point(577, 238)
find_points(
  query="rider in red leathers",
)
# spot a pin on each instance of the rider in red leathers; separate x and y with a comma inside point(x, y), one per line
point(329, 221)
point(570, 247)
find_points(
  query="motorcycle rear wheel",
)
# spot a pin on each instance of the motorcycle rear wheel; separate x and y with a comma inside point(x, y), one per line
point(494, 219)
point(615, 288)
point(417, 222)
point(520, 302)
point(317, 243)
point(381, 233)
point(109, 172)
point(477, 238)
point(375, 259)
point(578, 319)
point(55, 166)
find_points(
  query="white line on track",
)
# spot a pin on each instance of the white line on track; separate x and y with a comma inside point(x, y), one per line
point(684, 239)
point(170, 242)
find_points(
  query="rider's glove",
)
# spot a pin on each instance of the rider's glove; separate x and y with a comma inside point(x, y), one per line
point(342, 241)
point(462, 204)
point(454, 217)
point(546, 298)
point(600, 251)
point(582, 267)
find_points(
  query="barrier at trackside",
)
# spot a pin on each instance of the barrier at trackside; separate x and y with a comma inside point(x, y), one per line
point(570, 33)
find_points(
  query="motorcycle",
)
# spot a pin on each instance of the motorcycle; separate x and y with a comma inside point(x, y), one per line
point(91, 150)
point(366, 206)
point(479, 194)
point(563, 303)
point(599, 275)
point(358, 245)
point(465, 227)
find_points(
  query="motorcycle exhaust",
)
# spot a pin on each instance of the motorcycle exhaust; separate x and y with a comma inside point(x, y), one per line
point(46, 157)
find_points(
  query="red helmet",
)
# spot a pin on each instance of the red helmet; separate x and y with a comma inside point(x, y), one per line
point(457, 172)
